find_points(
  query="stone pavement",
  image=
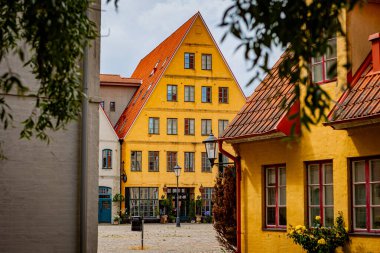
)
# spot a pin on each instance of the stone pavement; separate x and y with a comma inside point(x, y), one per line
point(159, 238)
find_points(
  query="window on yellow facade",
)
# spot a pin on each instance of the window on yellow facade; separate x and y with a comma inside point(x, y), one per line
point(222, 124)
point(189, 161)
point(206, 126)
point(206, 61)
point(206, 165)
point(189, 126)
point(207, 201)
point(142, 201)
point(136, 157)
point(206, 94)
point(154, 126)
point(223, 95)
point(153, 161)
point(320, 192)
point(323, 68)
point(172, 93)
point(365, 174)
point(172, 126)
point(171, 160)
point(189, 93)
point(275, 196)
point(189, 60)
point(107, 159)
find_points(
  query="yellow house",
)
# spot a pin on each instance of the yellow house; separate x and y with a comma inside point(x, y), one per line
point(187, 91)
point(333, 168)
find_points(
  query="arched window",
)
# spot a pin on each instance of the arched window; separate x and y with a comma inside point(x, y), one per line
point(107, 159)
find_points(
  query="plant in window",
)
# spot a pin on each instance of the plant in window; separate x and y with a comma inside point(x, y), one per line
point(320, 239)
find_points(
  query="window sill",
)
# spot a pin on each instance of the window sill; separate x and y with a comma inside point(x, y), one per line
point(107, 168)
point(274, 229)
point(207, 172)
point(153, 171)
point(191, 171)
point(136, 171)
point(326, 81)
point(364, 234)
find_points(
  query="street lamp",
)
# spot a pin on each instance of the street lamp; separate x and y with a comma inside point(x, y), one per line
point(211, 144)
point(177, 172)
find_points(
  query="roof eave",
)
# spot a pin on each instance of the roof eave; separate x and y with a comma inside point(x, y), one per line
point(272, 134)
point(351, 123)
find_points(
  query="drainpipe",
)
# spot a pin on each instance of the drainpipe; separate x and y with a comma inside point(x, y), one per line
point(84, 148)
point(121, 167)
point(237, 162)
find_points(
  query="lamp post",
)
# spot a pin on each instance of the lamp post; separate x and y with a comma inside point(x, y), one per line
point(177, 172)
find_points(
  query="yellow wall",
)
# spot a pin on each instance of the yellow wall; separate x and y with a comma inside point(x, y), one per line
point(321, 143)
point(197, 41)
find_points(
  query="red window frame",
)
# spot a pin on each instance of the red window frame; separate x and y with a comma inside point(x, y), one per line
point(368, 194)
point(323, 61)
point(277, 187)
point(322, 186)
point(188, 126)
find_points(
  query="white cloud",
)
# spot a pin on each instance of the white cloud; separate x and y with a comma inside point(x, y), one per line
point(139, 26)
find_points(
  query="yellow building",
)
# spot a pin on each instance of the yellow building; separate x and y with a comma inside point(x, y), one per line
point(187, 91)
point(333, 168)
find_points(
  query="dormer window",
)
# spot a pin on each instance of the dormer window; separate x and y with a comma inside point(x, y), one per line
point(323, 68)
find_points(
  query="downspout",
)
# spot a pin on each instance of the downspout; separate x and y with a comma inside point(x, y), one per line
point(121, 168)
point(84, 147)
point(237, 162)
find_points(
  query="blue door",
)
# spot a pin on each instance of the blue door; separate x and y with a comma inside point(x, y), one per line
point(105, 204)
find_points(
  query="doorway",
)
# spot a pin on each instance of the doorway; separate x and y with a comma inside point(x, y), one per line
point(185, 195)
point(105, 204)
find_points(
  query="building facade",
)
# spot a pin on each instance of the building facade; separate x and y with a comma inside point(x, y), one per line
point(332, 168)
point(50, 190)
point(187, 91)
point(109, 169)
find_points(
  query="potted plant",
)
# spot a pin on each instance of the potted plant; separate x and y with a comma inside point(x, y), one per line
point(116, 219)
point(198, 209)
point(118, 198)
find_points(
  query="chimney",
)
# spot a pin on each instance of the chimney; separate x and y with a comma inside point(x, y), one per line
point(375, 39)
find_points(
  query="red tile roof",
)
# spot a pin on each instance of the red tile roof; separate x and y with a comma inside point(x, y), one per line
point(264, 113)
point(362, 100)
point(117, 80)
point(149, 70)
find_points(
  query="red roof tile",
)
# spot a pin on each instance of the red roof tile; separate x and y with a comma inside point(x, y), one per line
point(149, 70)
point(264, 112)
point(117, 80)
point(362, 100)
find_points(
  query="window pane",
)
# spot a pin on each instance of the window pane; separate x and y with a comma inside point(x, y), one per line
point(314, 211)
point(271, 177)
point(314, 195)
point(329, 217)
point(329, 196)
point(271, 216)
point(314, 174)
point(376, 218)
point(360, 217)
point(271, 196)
point(328, 174)
point(359, 174)
point(282, 173)
point(282, 218)
point(330, 69)
point(360, 194)
point(375, 170)
point(317, 73)
point(282, 196)
point(375, 194)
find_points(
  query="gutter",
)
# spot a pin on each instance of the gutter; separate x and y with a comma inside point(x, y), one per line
point(237, 162)
point(121, 167)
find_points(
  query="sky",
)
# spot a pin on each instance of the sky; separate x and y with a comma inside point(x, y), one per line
point(138, 26)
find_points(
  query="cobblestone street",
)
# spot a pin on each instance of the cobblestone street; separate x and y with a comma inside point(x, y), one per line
point(194, 238)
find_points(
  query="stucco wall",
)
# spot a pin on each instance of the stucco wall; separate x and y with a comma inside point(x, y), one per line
point(41, 183)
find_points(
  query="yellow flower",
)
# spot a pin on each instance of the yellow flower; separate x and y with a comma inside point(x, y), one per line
point(317, 218)
point(321, 241)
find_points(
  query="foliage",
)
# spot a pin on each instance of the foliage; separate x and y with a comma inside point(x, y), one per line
point(198, 205)
point(118, 197)
point(192, 210)
point(116, 218)
point(224, 209)
point(303, 27)
point(48, 37)
point(167, 204)
point(319, 239)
